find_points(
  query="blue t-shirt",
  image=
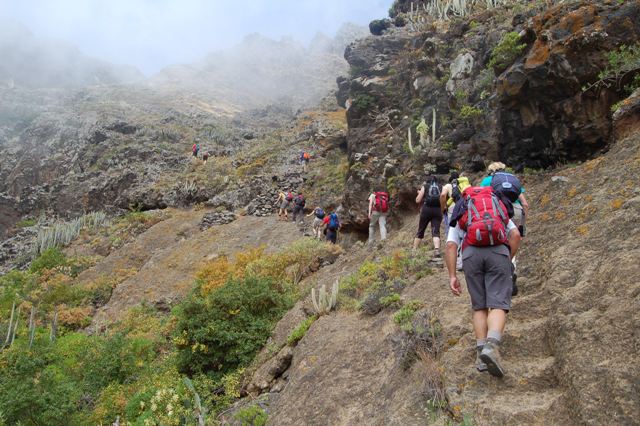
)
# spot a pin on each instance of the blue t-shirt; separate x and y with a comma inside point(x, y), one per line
point(487, 182)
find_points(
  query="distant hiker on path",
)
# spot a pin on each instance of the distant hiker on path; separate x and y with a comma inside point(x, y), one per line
point(511, 192)
point(378, 210)
point(331, 226)
point(304, 160)
point(489, 240)
point(194, 149)
point(283, 201)
point(430, 212)
point(205, 157)
point(298, 207)
point(318, 220)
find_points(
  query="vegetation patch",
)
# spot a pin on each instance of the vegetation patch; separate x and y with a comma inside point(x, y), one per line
point(298, 333)
point(506, 52)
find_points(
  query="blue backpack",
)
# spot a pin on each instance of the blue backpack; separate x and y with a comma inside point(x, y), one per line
point(506, 184)
point(320, 213)
point(334, 223)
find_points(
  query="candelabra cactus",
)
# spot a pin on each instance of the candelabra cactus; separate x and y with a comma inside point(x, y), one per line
point(324, 302)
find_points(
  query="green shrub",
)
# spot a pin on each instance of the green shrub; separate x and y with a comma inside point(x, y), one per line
point(26, 223)
point(251, 416)
point(404, 316)
point(468, 112)
point(48, 259)
point(298, 333)
point(390, 300)
point(620, 63)
point(364, 101)
point(223, 331)
point(507, 51)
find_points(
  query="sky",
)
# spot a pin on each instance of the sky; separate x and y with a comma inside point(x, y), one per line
point(151, 34)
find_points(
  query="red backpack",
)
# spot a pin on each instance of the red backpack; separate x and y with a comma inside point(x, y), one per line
point(485, 219)
point(382, 202)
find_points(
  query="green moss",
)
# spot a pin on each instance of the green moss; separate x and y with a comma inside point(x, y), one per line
point(25, 223)
point(506, 52)
point(298, 333)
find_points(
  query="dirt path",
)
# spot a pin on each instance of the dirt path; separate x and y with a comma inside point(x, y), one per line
point(167, 256)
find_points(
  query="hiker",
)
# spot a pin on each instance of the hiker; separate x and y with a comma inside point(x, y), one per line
point(194, 149)
point(451, 193)
point(205, 157)
point(511, 192)
point(318, 220)
point(305, 161)
point(283, 201)
point(378, 210)
point(331, 226)
point(298, 207)
point(429, 197)
point(489, 239)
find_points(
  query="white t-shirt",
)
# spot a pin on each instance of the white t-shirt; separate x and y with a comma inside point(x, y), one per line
point(456, 235)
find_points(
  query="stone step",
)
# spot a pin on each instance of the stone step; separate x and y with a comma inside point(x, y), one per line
point(526, 339)
point(519, 408)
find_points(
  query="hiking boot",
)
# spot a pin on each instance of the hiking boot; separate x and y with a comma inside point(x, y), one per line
point(514, 290)
point(436, 254)
point(480, 365)
point(490, 355)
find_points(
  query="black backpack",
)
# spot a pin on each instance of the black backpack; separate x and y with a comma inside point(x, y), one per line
point(300, 201)
point(432, 194)
point(455, 191)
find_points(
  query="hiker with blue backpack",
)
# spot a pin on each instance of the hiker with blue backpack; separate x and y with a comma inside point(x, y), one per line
point(331, 226)
point(480, 225)
point(430, 212)
point(511, 192)
point(318, 219)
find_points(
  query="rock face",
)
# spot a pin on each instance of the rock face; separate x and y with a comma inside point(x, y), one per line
point(439, 72)
point(543, 114)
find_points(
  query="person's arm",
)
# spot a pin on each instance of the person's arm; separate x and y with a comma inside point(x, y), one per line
point(443, 198)
point(514, 239)
point(312, 212)
point(371, 198)
point(523, 201)
point(420, 195)
point(450, 257)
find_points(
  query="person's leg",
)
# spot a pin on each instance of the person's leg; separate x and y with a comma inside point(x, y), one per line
point(436, 221)
point(474, 276)
point(422, 226)
point(480, 324)
point(496, 321)
point(498, 286)
point(383, 226)
point(372, 226)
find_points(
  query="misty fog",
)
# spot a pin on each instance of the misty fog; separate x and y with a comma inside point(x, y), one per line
point(249, 52)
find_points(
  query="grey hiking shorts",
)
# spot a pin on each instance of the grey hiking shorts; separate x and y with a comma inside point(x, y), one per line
point(284, 204)
point(488, 274)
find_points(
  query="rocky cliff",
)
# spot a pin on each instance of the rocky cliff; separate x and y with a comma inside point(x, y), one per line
point(506, 83)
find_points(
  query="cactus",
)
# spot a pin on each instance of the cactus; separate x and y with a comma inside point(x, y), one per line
point(6, 341)
point(62, 233)
point(54, 327)
point(409, 140)
point(325, 302)
point(32, 326)
point(433, 126)
point(198, 404)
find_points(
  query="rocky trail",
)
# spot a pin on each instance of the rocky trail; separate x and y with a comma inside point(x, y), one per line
point(551, 342)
